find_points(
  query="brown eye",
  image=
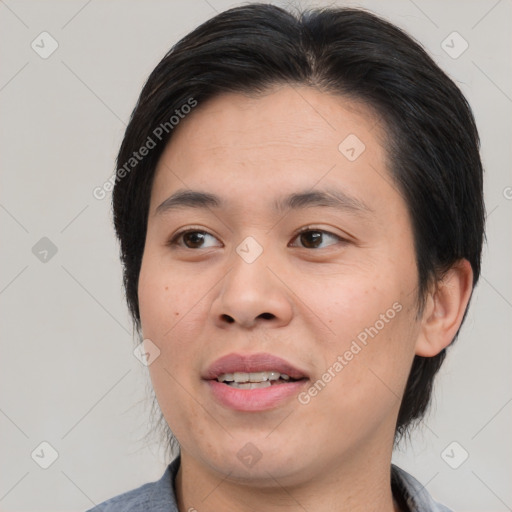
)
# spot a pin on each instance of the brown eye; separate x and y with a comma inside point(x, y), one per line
point(193, 239)
point(314, 238)
point(311, 239)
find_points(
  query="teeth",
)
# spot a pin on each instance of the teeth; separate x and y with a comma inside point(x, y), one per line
point(250, 385)
point(240, 377)
point(255, 377)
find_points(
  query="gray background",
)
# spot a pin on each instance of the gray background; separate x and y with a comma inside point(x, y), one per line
point(68, 374)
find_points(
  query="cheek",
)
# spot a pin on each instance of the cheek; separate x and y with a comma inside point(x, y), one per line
point(363, 373)
point(172, 317)
point(170, 308)
point(367, 318)
point(166, 298)
point(344, 303)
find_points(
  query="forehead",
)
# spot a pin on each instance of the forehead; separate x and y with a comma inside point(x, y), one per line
point(287, 139)
point(285, 114)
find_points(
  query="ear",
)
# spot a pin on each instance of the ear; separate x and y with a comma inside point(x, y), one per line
point(444, 310)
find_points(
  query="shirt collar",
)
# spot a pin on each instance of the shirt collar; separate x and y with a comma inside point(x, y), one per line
point(407, 491)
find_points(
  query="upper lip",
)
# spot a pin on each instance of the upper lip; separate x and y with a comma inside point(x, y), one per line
point(251, 363)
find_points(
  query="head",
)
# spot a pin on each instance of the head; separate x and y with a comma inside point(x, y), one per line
point(267, 111)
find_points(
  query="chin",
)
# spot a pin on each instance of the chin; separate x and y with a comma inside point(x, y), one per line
point(260, 462)
point(264, 474)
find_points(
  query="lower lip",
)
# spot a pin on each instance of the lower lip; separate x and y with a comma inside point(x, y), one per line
point(252, 400)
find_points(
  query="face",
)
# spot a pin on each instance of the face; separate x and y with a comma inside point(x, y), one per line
point(298, 261)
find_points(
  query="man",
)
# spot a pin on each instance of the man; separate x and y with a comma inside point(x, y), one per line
point(301, 232)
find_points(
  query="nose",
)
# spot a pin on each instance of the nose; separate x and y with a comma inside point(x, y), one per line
point(252, 294)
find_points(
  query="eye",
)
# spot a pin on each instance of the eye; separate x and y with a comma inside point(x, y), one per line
point(314, 238)
point(309, 239)
point(192, 239)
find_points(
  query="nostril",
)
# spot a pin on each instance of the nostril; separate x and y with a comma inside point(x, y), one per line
point(228, 319)
point(267, 316)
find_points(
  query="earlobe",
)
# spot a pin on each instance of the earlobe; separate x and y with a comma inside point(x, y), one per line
point(444, 309)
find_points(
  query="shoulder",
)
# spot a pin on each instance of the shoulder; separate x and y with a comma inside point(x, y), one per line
point(151, 497)
point(414, 493)
point(131, 501)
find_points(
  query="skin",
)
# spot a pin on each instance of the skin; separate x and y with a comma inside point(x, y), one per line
point(303, 303)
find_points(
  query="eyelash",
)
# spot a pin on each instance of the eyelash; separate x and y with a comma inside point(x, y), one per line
point(175, 238)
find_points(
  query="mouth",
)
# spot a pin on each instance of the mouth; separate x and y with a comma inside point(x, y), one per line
point(254, 382)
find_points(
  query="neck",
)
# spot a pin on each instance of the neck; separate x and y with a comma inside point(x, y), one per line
point(340, 487)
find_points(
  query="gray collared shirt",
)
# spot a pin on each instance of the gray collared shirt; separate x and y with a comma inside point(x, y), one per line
point(159, 496)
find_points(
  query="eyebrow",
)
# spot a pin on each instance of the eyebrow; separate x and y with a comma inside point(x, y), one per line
point(331, 198)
